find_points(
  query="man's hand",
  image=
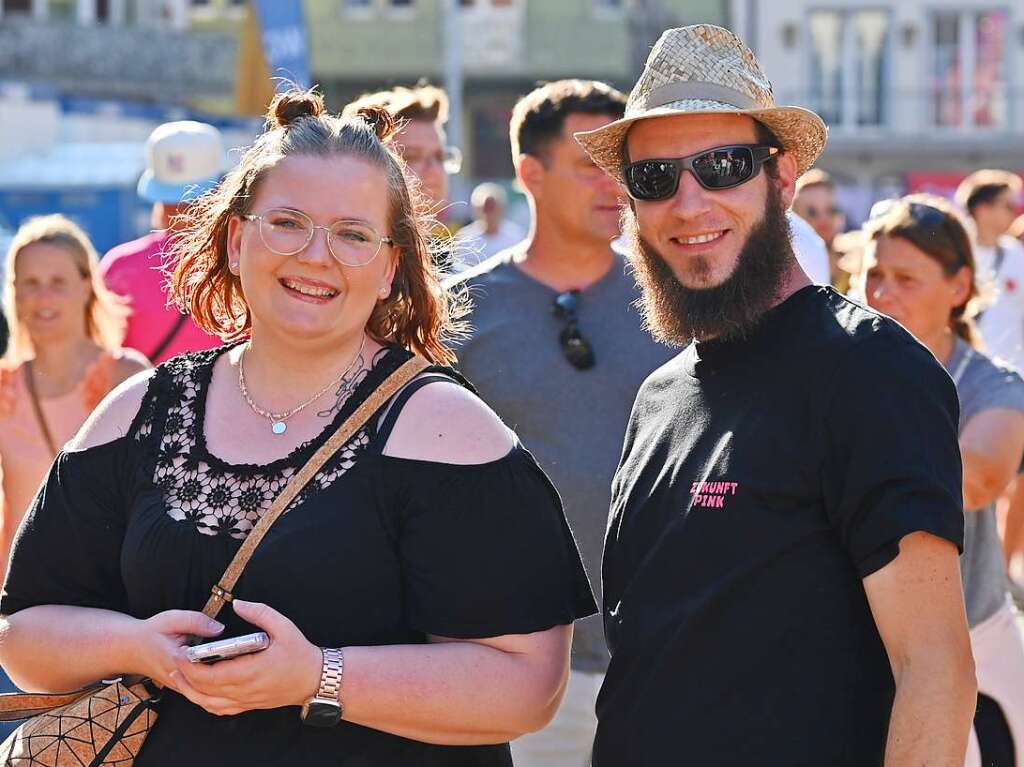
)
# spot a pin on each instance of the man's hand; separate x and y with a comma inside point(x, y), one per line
point(918, 605)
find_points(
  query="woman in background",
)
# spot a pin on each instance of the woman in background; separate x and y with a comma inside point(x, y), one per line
point(921, 272)
point(63, 357)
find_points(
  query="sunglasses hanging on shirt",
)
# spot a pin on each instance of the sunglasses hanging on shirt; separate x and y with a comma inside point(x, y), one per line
point(720, 168)
point(576, 349)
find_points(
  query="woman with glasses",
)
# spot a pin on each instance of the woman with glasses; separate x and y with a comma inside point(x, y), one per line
point(64, 355)
point(420, 593)
point(921, 272)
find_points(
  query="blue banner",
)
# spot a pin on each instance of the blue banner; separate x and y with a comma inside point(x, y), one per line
point(284, 41)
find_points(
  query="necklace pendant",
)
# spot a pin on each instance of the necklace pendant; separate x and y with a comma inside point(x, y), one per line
point(279, 427)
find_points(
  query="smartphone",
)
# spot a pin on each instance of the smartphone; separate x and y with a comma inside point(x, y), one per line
point(222, 649)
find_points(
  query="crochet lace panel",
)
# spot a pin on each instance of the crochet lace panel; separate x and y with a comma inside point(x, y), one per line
point(214, 497)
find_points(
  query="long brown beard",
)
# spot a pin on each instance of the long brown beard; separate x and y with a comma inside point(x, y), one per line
point(676, 314)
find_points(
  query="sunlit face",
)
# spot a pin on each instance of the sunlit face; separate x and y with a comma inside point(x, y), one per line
point(817, 206)
point(910, 286)
point(311, 295)
point(576, 196)
point(422, 146)
point(699, 233)
point(50, 293)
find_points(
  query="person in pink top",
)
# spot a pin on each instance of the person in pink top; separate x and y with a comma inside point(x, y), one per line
point(64, 356)
point(184, 160)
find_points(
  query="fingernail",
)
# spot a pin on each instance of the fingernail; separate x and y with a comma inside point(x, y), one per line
point(216, 625)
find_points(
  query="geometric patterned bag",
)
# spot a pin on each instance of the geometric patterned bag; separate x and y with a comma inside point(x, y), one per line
point(107, 723)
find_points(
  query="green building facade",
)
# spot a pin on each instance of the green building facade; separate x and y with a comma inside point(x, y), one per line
point(506, 47)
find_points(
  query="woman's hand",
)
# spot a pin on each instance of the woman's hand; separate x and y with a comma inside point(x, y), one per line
point(160, 640)
point(285, 674)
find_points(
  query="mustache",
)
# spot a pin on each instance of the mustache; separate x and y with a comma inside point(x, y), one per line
point(676, 314)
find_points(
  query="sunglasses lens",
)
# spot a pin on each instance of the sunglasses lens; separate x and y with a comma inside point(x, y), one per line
point(652, 179)
point(576, 349)
point(722, 168)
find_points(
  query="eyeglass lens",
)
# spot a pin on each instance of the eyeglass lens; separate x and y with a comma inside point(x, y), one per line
point(286, 232)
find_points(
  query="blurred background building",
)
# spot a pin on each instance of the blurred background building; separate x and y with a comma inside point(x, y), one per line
point(916, 93)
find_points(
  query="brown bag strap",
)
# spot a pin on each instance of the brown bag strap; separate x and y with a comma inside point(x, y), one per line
point(37, 408)
point(221, 591)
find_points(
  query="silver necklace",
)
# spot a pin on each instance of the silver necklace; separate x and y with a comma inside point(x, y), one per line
point(277, 420)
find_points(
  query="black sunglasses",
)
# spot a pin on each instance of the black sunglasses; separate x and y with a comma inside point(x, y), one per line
point(720, 168)
point(576, 349)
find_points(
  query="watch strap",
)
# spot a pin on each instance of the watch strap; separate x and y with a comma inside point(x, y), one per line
point(331, 673)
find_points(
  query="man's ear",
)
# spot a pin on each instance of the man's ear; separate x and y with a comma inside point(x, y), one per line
point(786, 181)
point(530, 171)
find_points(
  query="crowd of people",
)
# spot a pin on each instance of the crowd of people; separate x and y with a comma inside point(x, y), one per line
point(786, 452)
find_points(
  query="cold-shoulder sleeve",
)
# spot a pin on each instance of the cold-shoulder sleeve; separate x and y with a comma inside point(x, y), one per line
point(486, 549)
point(68, 549)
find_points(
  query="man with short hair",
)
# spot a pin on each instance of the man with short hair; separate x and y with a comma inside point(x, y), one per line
point(815, 203)
point(184, 159)
point(558, 349)
point(991, 198)
point(490, 232)
point(422, 111)
point(781, 577)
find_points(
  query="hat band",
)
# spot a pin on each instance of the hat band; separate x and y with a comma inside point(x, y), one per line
point(689, 89)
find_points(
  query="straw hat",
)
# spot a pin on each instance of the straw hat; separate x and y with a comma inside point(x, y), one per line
point(704, 69)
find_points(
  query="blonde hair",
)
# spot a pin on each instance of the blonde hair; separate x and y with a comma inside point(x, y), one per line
point(105, 312)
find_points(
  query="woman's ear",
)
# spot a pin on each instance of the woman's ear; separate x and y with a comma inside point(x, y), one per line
point(961, 283)
point(234, 243)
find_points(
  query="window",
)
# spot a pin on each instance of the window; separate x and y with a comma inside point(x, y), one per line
point(969, 72)
point(608, 9)
point(849, 55)
point(358, 9)
point(16, 7)
point(63, 10)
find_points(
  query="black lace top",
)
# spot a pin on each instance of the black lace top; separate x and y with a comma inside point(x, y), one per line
point(377, 550)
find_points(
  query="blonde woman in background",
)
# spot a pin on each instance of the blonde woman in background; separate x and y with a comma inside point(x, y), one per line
point(63, 357)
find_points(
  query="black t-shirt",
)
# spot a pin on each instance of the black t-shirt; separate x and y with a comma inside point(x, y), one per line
point(761, 480)
point(377, 550)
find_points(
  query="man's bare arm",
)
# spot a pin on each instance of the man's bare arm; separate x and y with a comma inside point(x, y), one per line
point(917, 601)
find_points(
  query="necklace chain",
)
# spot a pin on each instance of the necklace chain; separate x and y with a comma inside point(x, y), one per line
point(280, 418)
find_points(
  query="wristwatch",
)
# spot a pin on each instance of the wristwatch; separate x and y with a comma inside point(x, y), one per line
point(324, 709)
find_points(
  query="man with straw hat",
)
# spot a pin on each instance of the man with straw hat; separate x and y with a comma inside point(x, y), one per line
point(781, 581)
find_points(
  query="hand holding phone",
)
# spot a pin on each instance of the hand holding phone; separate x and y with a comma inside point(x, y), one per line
point(222, 649)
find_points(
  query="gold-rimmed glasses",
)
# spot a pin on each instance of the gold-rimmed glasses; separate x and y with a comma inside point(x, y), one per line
point(287, 232)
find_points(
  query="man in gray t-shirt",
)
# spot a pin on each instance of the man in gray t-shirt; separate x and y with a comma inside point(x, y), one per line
point(558, 349)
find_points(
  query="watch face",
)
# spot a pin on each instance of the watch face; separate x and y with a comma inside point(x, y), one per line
point(321, 713)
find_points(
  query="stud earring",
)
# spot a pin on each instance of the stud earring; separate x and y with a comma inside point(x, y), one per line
point(385, 291)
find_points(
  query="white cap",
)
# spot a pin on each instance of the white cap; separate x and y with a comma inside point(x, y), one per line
point(183, 160)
